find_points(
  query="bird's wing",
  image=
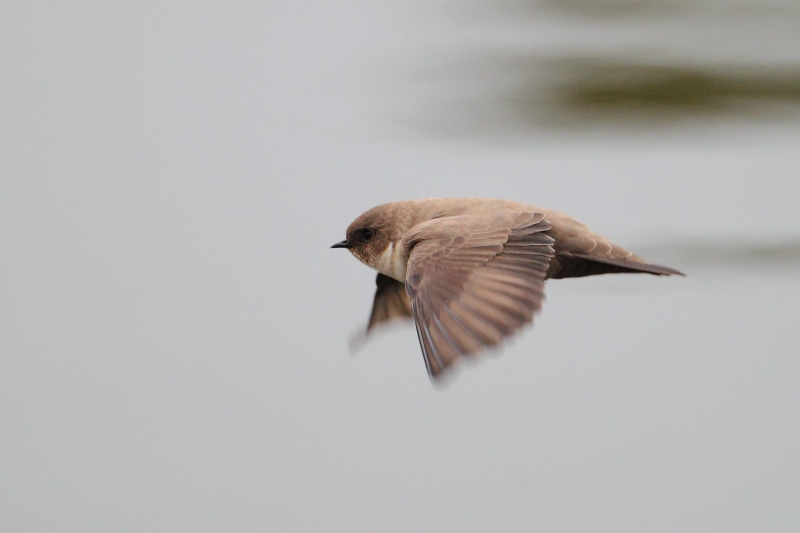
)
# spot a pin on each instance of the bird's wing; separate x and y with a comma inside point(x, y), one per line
point(597, 264)
point(582, 252)
point(391, 302)
point(474, 280)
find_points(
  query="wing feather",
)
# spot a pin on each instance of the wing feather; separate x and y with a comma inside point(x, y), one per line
point(391, 302)
point(473, 282)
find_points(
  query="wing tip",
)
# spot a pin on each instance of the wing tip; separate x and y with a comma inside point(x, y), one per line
point(661, 270)
point(632, 266)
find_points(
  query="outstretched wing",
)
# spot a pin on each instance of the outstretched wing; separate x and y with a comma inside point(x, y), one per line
point(475, 280)
point(391, 302)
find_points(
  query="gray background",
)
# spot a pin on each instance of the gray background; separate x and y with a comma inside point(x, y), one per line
point(174, 327)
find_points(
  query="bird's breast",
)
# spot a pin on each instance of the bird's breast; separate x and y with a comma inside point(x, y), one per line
point(393, 262)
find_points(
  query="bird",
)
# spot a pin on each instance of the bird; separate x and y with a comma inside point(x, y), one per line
point(471, 272)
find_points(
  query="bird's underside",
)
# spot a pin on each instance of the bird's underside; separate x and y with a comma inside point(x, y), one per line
point(470, 291)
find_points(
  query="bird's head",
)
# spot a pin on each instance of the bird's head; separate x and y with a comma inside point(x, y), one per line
point(375, 232)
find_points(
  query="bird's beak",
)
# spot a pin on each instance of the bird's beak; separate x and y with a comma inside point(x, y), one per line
point(342, 244)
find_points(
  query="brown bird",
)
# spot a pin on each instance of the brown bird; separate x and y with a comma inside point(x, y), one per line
point(471, 271)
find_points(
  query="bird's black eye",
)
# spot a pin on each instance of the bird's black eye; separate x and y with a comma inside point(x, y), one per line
point(362, 236)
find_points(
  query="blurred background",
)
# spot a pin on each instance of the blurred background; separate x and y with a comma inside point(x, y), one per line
point(174, 326)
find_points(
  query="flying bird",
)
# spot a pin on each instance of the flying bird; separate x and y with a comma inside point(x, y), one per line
point(471, 271)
